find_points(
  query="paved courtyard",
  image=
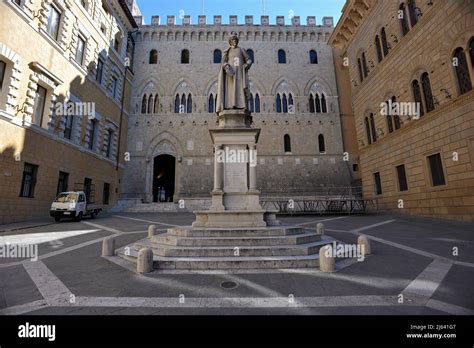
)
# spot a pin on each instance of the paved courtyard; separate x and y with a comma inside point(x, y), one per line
point(418, 266)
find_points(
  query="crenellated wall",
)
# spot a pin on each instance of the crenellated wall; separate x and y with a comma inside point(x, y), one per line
point(159, 130)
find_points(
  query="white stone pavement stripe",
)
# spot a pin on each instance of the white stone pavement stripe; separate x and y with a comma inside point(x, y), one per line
point(363, 228)
point(316, 221)
point(53, 290)
point(102, 227)
point(150, 221)
point(429, 280)
point(448, 308)
point(240, 302)
point(401, 246)
point(71, 248)
point(42, 237)
point(24, 308)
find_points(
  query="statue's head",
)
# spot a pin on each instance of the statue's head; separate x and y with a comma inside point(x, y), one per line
point(234, 39)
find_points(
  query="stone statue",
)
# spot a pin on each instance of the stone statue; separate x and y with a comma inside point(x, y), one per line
point(233, 80)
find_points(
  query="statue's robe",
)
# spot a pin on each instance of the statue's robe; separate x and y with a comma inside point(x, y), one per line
point(232, 89)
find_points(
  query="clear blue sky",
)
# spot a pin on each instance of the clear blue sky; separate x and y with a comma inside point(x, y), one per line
point(273, 8)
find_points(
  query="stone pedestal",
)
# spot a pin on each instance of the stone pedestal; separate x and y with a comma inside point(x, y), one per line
point(235, 197)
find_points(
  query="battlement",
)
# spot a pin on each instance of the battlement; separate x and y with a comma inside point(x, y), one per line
point(233, 21)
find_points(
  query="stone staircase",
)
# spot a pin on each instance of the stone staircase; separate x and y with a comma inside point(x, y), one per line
point(238, 248)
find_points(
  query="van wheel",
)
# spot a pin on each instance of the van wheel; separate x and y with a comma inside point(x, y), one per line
point(57, 218)
point(79, 217)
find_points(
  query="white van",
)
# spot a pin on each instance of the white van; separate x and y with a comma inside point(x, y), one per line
point(73, 205)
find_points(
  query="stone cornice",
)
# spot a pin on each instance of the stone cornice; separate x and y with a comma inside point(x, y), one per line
point(354, 13)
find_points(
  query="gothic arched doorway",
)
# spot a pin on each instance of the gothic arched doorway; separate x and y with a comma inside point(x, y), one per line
point(164, 167)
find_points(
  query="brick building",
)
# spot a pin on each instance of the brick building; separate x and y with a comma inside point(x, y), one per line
point(73, 53)
point(412, 53)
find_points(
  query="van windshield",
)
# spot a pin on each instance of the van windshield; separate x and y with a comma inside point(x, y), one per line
point(67, 198)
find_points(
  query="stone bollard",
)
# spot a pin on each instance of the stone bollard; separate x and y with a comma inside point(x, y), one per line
point(145, 260)
point(151, 230)
point(320, 228)
point(108, 246)
point(364, 243)
point(327, 261)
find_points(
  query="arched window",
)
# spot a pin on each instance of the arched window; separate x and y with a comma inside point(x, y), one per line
point(184, 57)
point(462, 71)
point(153, 57)
point(318, 103)
point(287, 143)
point(210, 104)
point(364, 65)
point(471, 51)
point(281, 57)
point(189, 108)
point(383, 36)
point(322, 146)
point(150, 104)
point(285, 103)
point(155, 106)
point(176, 104)
point(396, 118)
point(290, 103)
point(359, 64)
point(313, 57)
point(311, 104)
point(182, 106)
point(412, 10)
point(144, 104)
point(389, 118)
point(251, 55)
point(402, 15)
point(379, 48)
point(367, 130)
point(415, 86)
point(257, 103)
point(251, 103)
point(372, 128)
point(278, 103)
point(324, 106)
point(217, 56)
point(425, 84)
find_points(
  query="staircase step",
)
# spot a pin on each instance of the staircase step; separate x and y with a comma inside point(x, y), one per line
point(234, 241)
point(226, 251)
point(236, 262)
point(235, 232)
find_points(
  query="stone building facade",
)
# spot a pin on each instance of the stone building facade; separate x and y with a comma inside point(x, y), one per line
point(421, 54)
point(61, 51)
point(294, 99)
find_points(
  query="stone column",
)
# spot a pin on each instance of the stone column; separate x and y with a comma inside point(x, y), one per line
point(218, 169)
point(252, 170)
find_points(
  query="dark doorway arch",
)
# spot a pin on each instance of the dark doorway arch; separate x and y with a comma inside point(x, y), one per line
point(164, 168)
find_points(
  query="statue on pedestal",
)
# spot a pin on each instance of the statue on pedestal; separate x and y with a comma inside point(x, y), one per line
point(233, 83)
